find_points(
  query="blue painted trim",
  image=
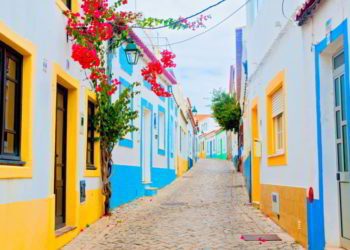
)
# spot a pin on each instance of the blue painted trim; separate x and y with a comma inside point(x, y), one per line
point(168, 135)
point(161, 151)
point(128, 143)
point(128, 68)
point(146, 105)
point(147, 85)
point(316, 231)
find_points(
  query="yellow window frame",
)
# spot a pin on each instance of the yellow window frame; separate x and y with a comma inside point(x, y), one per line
point(91, 96)
point(276, 159)
point(63, 7)
point(29, 52)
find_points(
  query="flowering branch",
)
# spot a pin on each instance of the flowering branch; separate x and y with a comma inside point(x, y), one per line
point(99, 29)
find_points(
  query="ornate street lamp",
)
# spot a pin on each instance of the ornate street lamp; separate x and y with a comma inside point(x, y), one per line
point(132, 53)
point(194, 110)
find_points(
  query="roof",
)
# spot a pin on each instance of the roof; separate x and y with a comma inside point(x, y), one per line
point(202, 117)
point(213, 132)
point(306, 10)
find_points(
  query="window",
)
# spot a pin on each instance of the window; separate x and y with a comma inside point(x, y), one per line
point(10, 110)
point(276, 117)
point(68, 3)
point(90, 143)
point(72, 5)
point(161, 130)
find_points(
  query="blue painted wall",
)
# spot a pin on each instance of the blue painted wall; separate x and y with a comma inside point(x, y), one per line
point(162, 177)
point(247, 172)
point(126, 184)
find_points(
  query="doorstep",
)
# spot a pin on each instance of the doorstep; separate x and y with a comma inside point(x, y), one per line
point(64, 230)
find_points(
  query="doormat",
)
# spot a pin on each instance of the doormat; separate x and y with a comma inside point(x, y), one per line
point(260, 237)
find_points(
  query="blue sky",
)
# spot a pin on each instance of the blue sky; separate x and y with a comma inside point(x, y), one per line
point(202, 63)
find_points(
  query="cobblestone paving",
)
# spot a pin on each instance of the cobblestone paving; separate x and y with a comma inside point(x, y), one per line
point(206, 209)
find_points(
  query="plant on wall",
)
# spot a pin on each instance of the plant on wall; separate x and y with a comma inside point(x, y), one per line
point(97, 30)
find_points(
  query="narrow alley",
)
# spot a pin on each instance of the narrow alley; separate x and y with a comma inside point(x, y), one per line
point(205, 209)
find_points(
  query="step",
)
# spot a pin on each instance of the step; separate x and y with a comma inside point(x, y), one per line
point(151, 191)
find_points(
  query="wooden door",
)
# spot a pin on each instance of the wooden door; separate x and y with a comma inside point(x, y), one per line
point(60, 159)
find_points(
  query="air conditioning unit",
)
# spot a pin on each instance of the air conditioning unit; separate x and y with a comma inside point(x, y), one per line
point(275, 197)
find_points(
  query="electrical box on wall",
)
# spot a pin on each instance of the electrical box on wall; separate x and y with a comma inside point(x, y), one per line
point(275, 197)
point(82, 191)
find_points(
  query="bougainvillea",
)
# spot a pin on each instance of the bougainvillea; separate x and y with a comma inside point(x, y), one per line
point(96, 31)
point(153, 69)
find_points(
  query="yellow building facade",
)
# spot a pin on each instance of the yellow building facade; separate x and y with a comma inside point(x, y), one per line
point(34, 211)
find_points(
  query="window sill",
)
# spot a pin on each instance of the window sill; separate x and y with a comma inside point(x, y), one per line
point(278, 159)
point(15, 172)
point(91, 168)
point(92, 171)
point(64, 230)
point(276, 154)
point(18, 163)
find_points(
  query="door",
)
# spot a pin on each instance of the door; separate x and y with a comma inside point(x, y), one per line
point(60, 157)
point(256, 154)
point(146, 145)
point(343, 175)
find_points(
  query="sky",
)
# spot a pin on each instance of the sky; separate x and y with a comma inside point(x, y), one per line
point(203, 63)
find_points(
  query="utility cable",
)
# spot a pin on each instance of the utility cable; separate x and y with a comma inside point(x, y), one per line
point(211, 28)
point(182, 19)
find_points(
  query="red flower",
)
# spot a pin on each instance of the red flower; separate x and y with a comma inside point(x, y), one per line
point(167, 59)
point(85, 56)
point(116, 82)
point(98, 88)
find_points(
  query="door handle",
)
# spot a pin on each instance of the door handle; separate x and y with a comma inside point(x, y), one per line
point(338, 176)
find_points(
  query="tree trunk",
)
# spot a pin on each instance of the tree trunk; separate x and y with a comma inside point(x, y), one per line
point(106, 170)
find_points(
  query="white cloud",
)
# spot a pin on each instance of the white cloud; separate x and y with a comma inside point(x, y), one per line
point(203, 63)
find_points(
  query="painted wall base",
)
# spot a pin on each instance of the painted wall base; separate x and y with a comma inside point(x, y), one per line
point(316, 238)
point(293, 210)
point(127, 183)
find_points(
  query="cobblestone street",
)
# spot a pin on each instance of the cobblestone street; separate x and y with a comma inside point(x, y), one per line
point(205, 209)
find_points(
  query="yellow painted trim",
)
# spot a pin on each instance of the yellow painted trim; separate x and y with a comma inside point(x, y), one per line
point(182, 166)
point(29, 52)
point(90, 95)
point(63, 7)
point(72, 199)
point(255, 125)
point(278, 82)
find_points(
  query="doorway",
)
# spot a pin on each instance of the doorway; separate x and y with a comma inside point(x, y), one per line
point(146, 145)
point(60, 157)
point(342, 146)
